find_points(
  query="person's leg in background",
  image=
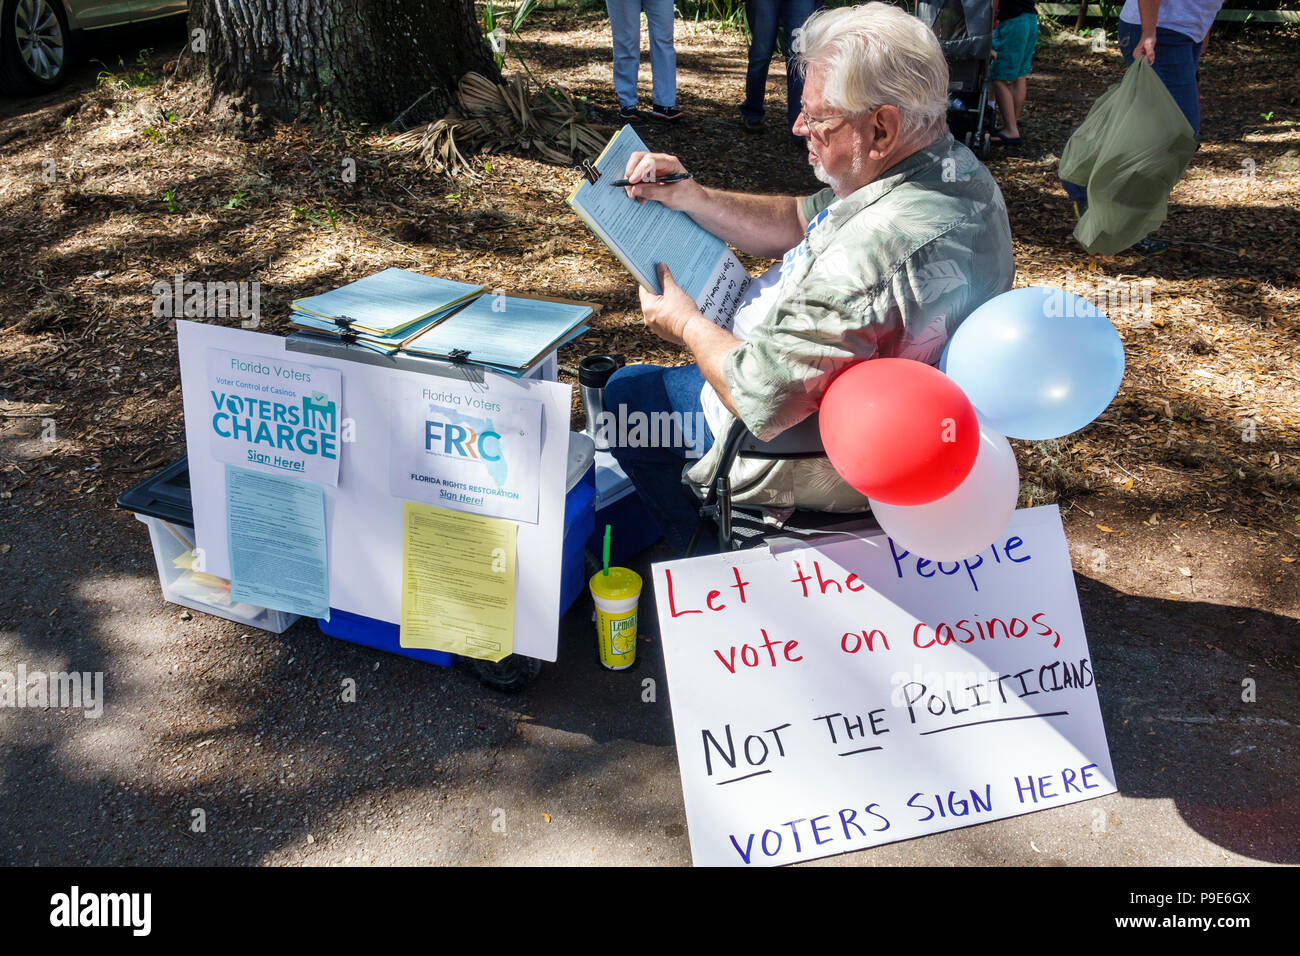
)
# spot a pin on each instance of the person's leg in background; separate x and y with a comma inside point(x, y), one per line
point(635, 393)
point(1020, 88)
point(663, 57)
point(1004, 96)
point(1129, 34)
point(1079, 194)
point(1009, 39)
point(625, 28)
point(761, 15)
point(1177, 57)
point(1078, 197)
point(793, 14)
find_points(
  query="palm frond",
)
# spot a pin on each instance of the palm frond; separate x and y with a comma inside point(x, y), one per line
point(495, 117)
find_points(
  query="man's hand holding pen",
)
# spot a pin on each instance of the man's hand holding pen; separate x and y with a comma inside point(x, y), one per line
point(661, 177)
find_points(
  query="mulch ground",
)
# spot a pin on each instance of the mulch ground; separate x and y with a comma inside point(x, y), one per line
point(1185, 486)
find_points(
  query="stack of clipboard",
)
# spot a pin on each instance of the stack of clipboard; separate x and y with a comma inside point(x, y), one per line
point(396, 310)
point(382, 311)
point(505, 333)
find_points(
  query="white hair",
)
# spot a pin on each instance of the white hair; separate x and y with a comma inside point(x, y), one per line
point(874, 55)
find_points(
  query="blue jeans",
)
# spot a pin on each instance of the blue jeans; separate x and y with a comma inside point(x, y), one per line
point(654, 455)
point(625, 25)
point(1177, 58)
point(764, 17)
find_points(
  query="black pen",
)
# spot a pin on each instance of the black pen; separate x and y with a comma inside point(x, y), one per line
point(674, 178)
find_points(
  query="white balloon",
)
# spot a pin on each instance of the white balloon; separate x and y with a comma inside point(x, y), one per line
point(966, 520)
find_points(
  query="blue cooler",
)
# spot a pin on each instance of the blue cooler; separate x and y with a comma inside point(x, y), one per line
point(377, 634)
point(579, 518)
point(632, 527)
point(579, 522)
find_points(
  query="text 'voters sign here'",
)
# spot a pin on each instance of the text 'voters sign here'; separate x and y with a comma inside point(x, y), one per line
point(844, 693)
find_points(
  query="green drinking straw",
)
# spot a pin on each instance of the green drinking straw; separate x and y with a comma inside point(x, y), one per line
point(605, 556)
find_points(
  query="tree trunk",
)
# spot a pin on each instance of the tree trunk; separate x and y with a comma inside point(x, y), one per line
point(338, 60)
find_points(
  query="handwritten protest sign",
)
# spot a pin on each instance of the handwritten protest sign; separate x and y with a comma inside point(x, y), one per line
point(845, 694)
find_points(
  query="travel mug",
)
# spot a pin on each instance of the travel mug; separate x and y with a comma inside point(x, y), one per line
point(593, 372)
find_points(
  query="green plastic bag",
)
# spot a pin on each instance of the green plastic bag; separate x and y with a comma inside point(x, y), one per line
point(1130, 152)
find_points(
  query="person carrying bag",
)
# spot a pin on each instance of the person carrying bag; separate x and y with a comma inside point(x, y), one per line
point(1131, 150)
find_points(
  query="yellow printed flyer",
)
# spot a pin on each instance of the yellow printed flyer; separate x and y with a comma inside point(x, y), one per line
point(458, 582)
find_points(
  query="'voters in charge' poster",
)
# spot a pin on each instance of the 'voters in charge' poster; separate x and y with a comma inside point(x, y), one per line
point(274, 415)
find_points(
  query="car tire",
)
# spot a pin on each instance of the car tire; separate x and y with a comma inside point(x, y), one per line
point(35, 45)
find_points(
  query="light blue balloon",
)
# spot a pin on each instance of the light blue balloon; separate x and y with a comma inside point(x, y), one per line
point(1036, 363)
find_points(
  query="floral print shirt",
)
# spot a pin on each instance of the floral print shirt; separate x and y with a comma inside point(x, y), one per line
point(890, 271)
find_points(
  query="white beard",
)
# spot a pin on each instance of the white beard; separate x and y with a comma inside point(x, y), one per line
point(820, 173)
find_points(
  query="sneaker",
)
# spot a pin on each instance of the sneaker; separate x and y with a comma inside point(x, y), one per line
point(751, 126)
point(628, 113)
point(1080, 207)
point(668, 113)
point(1149, 246)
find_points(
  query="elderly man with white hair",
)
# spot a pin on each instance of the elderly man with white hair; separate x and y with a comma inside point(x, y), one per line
point(908, 238)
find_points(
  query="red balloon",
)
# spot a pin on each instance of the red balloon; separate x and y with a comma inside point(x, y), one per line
point(899, 431)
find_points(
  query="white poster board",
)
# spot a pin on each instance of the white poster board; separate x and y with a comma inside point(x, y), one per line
point(844, 694)
point(363, 519)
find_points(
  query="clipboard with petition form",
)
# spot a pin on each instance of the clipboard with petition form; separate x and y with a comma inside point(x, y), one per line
point(506, 333)
point(398, 311)
point(641, 235)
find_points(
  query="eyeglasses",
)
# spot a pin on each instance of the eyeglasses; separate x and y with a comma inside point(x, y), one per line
point(814, 122)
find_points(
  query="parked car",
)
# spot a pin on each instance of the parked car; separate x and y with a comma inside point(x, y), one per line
point(37, 36)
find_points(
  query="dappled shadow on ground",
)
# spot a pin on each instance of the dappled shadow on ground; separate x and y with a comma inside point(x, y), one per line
point(251, 727)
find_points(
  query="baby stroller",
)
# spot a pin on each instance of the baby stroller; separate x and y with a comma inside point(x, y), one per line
point(965, 31)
